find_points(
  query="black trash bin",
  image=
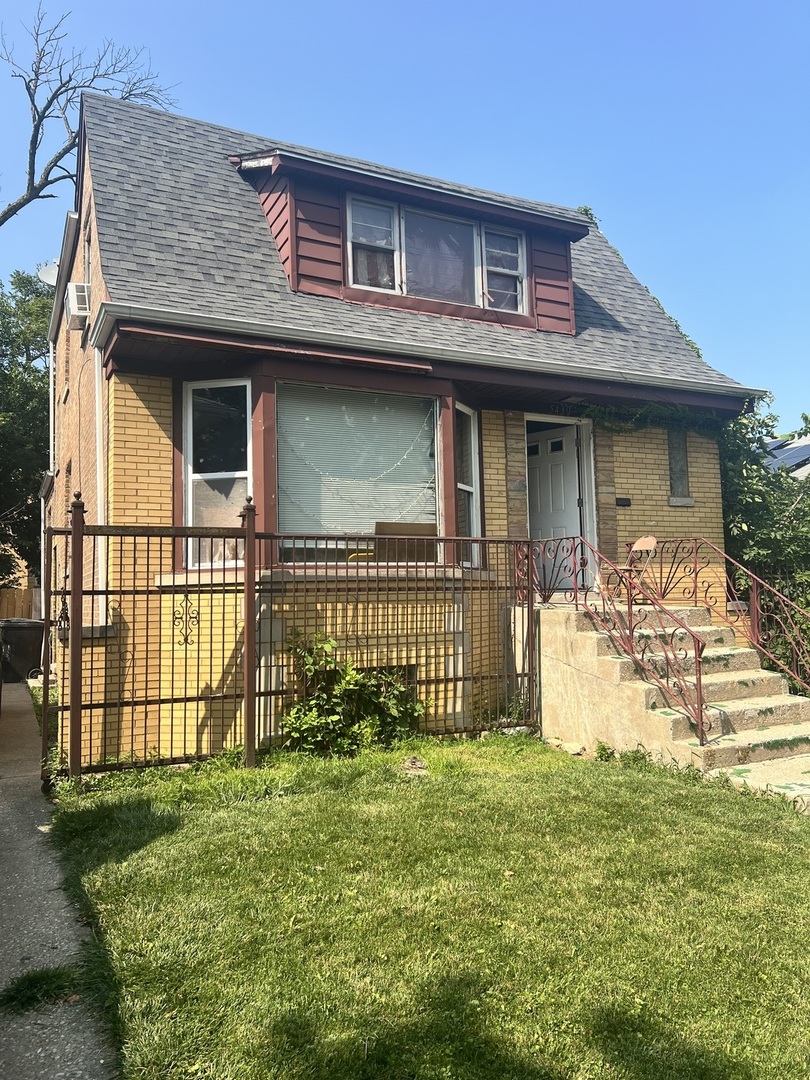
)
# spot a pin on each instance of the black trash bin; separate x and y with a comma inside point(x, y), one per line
point(22, 647)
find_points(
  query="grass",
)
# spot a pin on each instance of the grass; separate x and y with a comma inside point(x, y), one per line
point(515, 914)
point(41, 986)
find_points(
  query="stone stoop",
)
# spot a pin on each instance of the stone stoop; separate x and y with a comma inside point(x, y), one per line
point(753, 718)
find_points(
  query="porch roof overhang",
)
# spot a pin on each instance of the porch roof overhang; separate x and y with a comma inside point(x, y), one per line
point(133, 336)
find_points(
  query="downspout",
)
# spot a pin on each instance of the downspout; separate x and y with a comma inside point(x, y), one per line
point(101, 502)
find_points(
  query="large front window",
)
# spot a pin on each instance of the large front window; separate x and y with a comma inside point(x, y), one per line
point(401, 250)
point(351, 461)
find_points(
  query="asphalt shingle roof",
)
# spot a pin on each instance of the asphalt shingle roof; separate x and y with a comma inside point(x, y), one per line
point(180, 229)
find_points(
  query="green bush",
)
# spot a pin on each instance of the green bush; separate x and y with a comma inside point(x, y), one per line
point(344, 708)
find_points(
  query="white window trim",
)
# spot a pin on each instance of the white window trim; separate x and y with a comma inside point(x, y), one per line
point(475, 488)
point(188, 446)
point(480, 230)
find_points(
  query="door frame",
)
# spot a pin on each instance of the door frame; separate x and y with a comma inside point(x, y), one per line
point(585, 468)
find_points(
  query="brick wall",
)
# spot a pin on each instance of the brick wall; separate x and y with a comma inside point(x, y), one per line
point(140, 479)
point(641, 474)
point(503, 442)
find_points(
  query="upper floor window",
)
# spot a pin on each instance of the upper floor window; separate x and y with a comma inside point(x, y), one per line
point(398, 249)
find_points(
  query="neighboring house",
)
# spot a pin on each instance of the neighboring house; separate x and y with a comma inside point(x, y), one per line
point(360, 349)
point(791, 453)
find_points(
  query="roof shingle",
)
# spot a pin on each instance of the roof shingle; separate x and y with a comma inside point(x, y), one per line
point(180, 229)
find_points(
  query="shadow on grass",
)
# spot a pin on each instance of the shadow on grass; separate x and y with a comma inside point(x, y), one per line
point(644, 1049)
point(88, 837)
point(447, 1038)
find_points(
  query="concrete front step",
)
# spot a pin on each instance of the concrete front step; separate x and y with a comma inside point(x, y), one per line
point(693, 617)
point(725, 658)
point(788, 777)
point(744, 715)
point(712, 636)
point(722, 686)
point(744, 747)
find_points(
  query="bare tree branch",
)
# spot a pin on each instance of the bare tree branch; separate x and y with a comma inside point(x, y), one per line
point(53, 77)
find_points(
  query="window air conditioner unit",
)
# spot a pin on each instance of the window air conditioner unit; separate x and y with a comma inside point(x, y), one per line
point(77, 305)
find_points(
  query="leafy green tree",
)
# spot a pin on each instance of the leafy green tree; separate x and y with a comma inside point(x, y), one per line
point(766, 511)
point(25, 307)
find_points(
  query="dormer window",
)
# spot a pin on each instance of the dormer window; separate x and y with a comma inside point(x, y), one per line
point(401, 250)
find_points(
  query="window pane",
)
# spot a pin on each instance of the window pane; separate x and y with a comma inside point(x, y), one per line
point(219, 429)
point(372, 224)
point(439, 259)
point(464, 512)
point(216, 503)
point(503, 252)
point(373, 267)
point(464, 465)
point(503, 290)
point(678, 466)
point(348, 459)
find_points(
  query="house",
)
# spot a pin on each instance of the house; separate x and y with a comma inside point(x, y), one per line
point(366, 353)
point(791, 453)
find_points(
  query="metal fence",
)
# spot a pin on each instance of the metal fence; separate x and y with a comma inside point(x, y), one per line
point(172, 644)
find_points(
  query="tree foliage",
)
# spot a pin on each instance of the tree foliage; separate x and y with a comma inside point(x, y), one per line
point(767, 511)
point(53, 75)
point(25, 308)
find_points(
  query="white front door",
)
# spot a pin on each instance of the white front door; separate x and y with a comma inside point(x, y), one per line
point(553, 477)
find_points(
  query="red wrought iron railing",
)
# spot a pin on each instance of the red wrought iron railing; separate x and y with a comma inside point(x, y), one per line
point(695, 571)
point(665, 650)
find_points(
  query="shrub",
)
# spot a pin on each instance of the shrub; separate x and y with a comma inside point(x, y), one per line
point(344, 708)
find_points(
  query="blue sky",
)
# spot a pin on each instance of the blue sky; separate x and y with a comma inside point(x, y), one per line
point(684, 126)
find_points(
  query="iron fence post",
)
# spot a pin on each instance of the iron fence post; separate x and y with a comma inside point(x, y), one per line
point(248, 516)
point(532, 657)
point(46, 649)
point(75, 634)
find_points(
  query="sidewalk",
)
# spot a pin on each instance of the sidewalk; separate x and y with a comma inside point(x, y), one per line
point(38, 925)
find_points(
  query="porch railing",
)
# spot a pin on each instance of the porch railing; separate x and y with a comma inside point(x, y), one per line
point(696, 571)
point(665, 650)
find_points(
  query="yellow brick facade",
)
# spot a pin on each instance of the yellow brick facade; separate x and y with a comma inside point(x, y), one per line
point(140, 459)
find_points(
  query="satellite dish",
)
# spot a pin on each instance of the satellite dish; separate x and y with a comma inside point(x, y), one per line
point(48, 274)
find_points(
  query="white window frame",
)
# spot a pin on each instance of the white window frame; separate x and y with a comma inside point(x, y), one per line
point(519, 274)
point(480, 230)
point(475, 488)
point(188, 452)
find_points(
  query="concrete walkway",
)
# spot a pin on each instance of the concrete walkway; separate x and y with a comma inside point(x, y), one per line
point(38, 925)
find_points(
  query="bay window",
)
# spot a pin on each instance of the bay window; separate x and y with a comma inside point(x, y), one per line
point(402, 250)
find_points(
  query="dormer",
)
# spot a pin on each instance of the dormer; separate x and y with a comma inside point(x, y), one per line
point(363, 234)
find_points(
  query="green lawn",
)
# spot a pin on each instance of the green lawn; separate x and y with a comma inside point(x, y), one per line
point(514, 913)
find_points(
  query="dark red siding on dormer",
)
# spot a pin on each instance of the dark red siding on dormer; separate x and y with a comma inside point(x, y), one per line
point(319, 239)
point(274, 196)
point(553, 285)
point(307, 221)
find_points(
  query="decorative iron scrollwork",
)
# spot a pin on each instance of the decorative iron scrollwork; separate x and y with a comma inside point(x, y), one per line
point(186, 620)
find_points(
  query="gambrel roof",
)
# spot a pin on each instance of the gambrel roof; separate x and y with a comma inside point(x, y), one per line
point(182, 237)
